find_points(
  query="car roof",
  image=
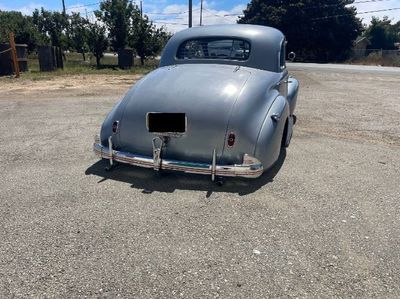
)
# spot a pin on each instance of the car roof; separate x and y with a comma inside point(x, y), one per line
point(265, 45)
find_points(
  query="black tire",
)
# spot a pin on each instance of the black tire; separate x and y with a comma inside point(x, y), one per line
point(283, 142)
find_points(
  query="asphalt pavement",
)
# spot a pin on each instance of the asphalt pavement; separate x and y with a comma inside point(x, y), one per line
point(344, 68)
point(323, 223)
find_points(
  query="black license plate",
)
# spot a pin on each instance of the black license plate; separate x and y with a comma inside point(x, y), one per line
point(166, 122)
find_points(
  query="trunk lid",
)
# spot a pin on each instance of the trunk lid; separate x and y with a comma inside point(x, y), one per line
point(205, 93)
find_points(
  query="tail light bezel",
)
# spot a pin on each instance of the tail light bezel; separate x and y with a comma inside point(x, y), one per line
point(115, 127)
point(231, 139)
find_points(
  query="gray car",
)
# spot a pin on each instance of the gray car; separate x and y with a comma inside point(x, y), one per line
point(221, 103)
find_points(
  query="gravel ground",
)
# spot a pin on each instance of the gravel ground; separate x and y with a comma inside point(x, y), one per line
point(324, 223)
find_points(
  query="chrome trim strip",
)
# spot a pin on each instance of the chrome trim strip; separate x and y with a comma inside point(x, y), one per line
point(251, 167)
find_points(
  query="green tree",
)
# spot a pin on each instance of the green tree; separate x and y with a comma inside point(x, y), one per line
point(97, 41)
point(79, 33)
point(145, 38)
point(116, 15)
point(322, 30)
point(382, 34)
point(52, 24)
point(24, 30)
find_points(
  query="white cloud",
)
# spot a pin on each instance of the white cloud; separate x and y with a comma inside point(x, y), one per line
point(175, 8)
point(26, 9)
point(238, 9)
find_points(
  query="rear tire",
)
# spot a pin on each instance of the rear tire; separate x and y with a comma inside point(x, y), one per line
point(287, 132)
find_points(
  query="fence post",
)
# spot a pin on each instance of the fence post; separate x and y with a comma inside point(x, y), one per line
point(14, 55)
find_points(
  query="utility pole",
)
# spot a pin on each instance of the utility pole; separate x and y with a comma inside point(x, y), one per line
point(190, 13)
point(141, 8)
point(64, 11)
point(201, 13)
point(66, 21)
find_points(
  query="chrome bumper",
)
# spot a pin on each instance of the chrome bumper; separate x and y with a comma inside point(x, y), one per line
point(251, 167)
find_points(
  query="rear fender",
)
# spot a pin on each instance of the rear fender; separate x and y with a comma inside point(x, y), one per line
point(270, 137)
point(106, 128)
point(293, 90)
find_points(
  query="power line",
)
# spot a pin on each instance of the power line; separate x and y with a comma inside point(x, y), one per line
point(214, 14)
point(228, 15)
point(147, 13)
point(326, 5)
point(170, 23)
point(358, 13)
point(333, 16)
point(368, 1)
point(232, 15)
point(337, 5)
point(83, 5)
point(169, 13)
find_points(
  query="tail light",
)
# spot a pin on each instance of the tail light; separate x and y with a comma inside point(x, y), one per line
point(115, 126)
point(231, 139)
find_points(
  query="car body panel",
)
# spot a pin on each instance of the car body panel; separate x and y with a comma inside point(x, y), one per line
point(269, 139)
point(176, 93)
point(293, 88)
point(252, 100)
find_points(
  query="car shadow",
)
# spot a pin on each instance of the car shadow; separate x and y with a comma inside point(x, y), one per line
point(150, 181)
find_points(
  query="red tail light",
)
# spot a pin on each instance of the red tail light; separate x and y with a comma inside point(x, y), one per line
point(115, 126)
point(231, 139)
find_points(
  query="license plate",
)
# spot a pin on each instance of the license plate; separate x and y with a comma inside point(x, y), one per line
point(174, 123)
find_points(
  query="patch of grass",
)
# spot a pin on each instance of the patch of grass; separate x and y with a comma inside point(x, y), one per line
point(74, 65)
point(376, 59)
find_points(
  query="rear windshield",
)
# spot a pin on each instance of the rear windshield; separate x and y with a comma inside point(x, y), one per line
point(214, 48)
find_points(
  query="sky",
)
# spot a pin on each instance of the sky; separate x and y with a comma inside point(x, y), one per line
point(173, 13)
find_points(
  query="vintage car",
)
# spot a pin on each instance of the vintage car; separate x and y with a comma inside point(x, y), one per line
point(221, 103)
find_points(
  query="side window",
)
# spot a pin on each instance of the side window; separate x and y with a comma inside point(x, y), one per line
point(282, 55)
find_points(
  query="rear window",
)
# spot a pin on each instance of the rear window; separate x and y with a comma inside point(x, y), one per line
point(214, 48)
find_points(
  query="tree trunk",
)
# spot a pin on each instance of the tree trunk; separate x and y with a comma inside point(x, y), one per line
point(98, 61)
point(142, 60)
point(83, 56)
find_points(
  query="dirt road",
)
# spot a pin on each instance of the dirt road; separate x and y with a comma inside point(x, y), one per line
point(323, 223)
